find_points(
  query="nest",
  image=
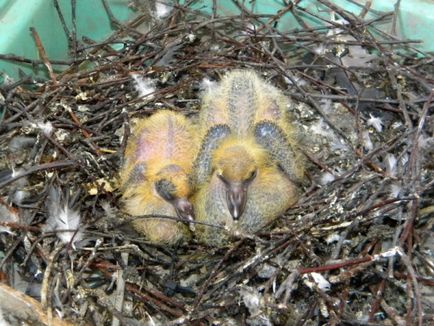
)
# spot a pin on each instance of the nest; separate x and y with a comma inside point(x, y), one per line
point(357, 248)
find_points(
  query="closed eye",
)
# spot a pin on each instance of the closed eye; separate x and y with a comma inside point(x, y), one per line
point(222, 178)
point(252, 176)
point(166, 189)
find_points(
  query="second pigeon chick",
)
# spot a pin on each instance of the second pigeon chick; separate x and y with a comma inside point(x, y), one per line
point(248, 161)
point(155, 177)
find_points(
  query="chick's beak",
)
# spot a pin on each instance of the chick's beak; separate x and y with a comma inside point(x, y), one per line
point(236, 197)
point(184, 209)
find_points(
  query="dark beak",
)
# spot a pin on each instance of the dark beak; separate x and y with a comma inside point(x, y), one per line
point(184, 209)
point(236, 197)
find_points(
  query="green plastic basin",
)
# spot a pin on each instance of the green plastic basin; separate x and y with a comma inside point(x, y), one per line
point(415, 21)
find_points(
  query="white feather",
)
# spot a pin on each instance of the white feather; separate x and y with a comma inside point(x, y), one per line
point(425, 142)
point(17, 173)
point(320, 49)
point(191, 37)
point(46, 127)
point(108, 209)
point(297, 80)
point(395, 190)
point(162, 9)
point(207, 84)
point(338, 144)
point(145, 86)
point(404, 159)
point(320, 280)
point(249, 29)
point(251, 299)
point(68, 219)
point(326, 105)
point(320, 128)
point(367, 143)
point(19, 196)
point(391, 164)
point(375, 122)
point(61, 217)
point(326, 178)
point(333, 237)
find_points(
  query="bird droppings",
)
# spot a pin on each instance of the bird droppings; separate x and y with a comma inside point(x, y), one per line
point(357, 247)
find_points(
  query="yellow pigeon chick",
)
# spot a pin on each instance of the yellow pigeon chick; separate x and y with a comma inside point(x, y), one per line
point(248, 164)
point(155, 177)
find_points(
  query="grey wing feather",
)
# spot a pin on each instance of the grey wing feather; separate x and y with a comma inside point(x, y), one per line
point(202, 167)
point(136, 175)
point(274, 140)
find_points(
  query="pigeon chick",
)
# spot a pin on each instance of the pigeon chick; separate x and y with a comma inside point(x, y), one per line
point(248, 165)
point(155, 177)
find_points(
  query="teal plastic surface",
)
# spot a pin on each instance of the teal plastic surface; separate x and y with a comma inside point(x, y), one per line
point(17, 16)
point(415, 21)
point(415, 17)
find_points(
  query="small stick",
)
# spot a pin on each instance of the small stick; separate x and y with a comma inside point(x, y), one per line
point(113, 21)
point(378, 292)
point(395, 17)
point(46, 290)
point(74, 28)
point(43, 54)
point(62, 20)
point(120, 288)
point(36, 168)
point(17, 58)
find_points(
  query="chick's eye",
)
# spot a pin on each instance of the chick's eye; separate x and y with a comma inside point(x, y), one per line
point(252, 176)
point(222, 178)
point(166, 189)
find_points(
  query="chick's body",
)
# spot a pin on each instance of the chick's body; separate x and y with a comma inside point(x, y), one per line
point(155, 174)
point(247, 140)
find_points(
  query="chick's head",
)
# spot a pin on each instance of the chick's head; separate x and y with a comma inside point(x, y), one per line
point(172, 184)
point(236, 163)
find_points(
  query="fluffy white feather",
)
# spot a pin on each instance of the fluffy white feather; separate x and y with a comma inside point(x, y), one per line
point(162, 9)
point(375, 122)
point(326, 105)
point(251, 299)
point(320, 49)
point(333, 237)
point(321, 128)
point(320, 280)
point(18, 196)
point(46, 127)
point(62, 217)
point(16, 173)
point(326, 178)
point(108, 209)
point(391, 162)
point(367, 143)
point(207, 84)
point(145, 86)
point(297, 80)
point(338, 144)
point(425, 142)
point(395, 190)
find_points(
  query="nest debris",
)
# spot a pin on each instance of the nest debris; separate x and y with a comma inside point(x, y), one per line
point(358, 247)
